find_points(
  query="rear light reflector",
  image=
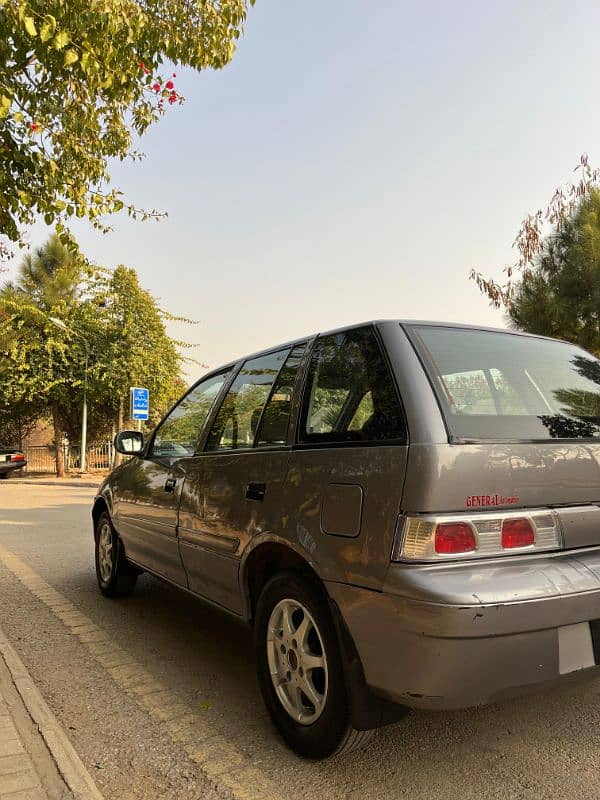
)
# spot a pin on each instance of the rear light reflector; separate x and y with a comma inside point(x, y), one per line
point(17, 457)
point(447, 537)
point(517, 532)
point(454, 537)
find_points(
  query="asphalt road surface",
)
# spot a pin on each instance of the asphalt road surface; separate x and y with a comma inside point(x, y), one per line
point(158, 693)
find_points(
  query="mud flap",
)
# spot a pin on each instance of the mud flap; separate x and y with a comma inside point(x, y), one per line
point(368, 710)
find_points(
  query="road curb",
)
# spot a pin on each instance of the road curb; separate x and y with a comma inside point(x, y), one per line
point(57, 482)
point(70, 766)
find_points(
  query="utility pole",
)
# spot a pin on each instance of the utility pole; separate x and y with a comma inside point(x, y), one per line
point(83, 455)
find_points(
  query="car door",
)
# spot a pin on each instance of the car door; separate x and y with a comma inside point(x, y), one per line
point(346, 472)
point(149, 487)
point(233, 489)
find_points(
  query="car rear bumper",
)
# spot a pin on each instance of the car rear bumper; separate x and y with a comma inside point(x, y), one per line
point(527, 625)
point(8, 466)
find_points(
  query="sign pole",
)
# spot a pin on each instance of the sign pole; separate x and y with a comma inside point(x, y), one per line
point(83, 443)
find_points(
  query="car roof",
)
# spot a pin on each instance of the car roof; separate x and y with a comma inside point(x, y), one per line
point(367, 323)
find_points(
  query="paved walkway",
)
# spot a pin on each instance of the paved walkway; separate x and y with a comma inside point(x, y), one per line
point(87, 481)
point(37, 760)
point(19, 778)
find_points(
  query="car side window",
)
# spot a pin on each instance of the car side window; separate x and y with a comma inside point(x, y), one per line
point(237, 420)
point(178, 434)
point(275, 420)
point(363, 411)
point(350, 395)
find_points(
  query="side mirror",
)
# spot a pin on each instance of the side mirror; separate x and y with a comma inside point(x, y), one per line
point(129, 443)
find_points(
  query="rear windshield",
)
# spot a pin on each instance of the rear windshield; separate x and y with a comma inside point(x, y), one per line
point(504, 386)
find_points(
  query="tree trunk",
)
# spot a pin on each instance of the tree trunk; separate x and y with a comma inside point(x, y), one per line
point(118, 458)
point(58, 443)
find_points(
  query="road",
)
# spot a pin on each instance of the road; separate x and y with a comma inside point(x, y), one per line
point(89, 656)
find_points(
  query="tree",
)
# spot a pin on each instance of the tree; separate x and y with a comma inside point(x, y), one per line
point(50, 276)
point(17, 422)
point(105, 319)
point(560, 295)
point(36, 368)
point(129, 346)
point(78, 78)
point(533, 238)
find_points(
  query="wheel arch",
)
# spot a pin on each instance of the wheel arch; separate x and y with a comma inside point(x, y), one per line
point(273, 554)
point(100, 505)
point(263, 560)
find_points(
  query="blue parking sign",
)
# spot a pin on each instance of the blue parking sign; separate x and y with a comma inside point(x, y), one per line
point(139, 401)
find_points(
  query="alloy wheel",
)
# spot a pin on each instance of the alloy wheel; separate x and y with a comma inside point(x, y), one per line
point(297, 661)
point(105, 551)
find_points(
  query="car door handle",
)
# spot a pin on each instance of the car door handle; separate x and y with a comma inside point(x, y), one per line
point(256, 491)
point(170, 485)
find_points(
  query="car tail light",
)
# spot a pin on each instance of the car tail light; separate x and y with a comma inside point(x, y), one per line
point(443, 537)
point(17, 457)
point(517, 532)
point(454, 537)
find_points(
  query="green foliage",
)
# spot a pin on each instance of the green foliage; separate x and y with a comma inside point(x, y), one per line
point(50, 276)
point(560, 296)
point(78, 78)
point(104, 315)
point(129, 346)
point(16, 423)
point(35, 360)
point(531, 241)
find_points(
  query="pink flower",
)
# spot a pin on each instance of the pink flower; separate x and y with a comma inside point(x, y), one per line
point(169, 85)
point(156, 87)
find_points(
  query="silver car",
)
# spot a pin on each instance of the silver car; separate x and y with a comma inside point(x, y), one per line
point(407, 513)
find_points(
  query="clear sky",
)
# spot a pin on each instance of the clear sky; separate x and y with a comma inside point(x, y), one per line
point(354, 161)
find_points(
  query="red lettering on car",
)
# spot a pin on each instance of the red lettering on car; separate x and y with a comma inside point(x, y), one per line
point(478, 500)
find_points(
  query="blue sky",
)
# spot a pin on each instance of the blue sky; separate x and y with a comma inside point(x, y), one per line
point(355, 161)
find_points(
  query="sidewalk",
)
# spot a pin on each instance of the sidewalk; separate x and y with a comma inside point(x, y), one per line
point(37, 760)
point(86, 481)
point(18, 775)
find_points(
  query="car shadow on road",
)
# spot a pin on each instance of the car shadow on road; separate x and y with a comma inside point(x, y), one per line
point(207, 657)
point(534, 747)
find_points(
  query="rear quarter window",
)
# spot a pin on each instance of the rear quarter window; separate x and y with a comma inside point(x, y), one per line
point(350, 395)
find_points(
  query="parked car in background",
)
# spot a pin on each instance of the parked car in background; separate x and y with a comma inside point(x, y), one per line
point(11, 460)
point(408, 513)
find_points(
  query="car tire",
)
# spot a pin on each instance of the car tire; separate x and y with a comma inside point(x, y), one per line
point(116, 578)
point(4, 475)
point(297, 648)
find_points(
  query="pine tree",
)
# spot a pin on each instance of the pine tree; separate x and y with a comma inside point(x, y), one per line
point(560, 296)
